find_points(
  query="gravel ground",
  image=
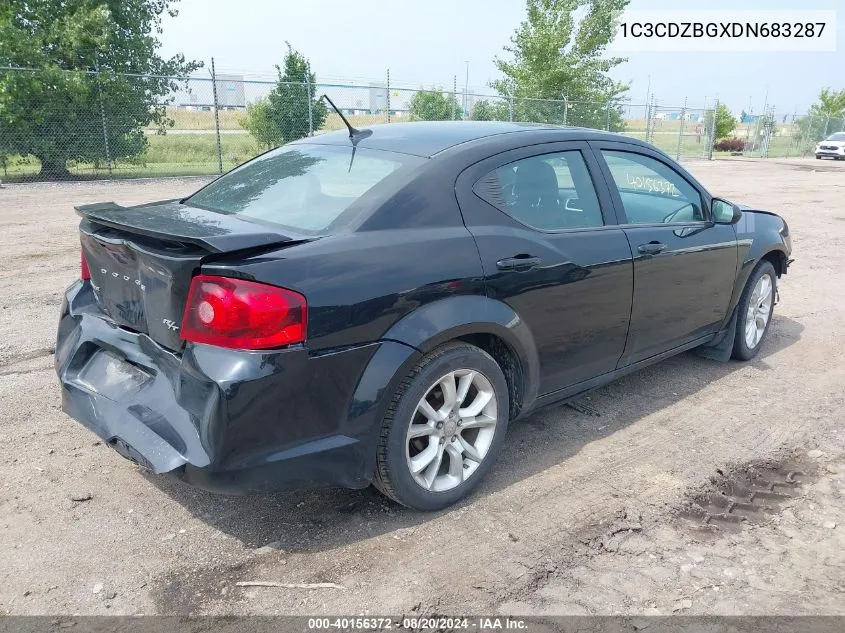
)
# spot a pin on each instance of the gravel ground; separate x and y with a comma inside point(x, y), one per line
point(583, 514)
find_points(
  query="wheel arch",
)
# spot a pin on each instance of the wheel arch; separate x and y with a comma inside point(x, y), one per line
point(721, 347)
point(778, 259)
point(509, 362)
point(774, 254)
point(486, 323)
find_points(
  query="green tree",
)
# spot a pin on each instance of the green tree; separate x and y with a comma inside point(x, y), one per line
point(483, 110)
point(825, 116)
point(831, 103)
point(555, 58)
point(263, 128)
point(81, 52)
point(725, 122)
point(283, 116)
point(433, 105)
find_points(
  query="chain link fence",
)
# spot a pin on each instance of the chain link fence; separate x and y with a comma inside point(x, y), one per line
point(113, 128)
point(790, 135)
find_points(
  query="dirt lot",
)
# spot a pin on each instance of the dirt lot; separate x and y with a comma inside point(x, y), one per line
point(583, 514)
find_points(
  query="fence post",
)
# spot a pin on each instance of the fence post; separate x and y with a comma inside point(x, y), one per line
point(654, 107)
point(681, 130)
point(768, 124)
point(388, 95)
point(711, 133)
point(607, 118)
point(826, 124)
point(651, 120)
point(216, 118)
point(565, 110)
point(308, 96)
point(103, 121)
point(454, 97)
point(758, 127)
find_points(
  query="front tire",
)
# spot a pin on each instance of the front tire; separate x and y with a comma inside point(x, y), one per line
point(444, 428)
point(754, 311)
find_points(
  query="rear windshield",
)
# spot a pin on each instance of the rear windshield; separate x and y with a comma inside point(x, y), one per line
point(304, 187)
point(839, 136)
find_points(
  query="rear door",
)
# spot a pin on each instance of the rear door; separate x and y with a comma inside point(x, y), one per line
point(684, 264)
point(550, 248)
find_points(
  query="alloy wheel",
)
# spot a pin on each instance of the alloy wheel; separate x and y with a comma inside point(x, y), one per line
point(759, 310)
point(451, 430)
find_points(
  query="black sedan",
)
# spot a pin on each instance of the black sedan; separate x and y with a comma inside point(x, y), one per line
point(378, 306)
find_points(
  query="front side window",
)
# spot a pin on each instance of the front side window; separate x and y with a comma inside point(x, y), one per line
point(305, 187)
point(652, 192)
point(549, 192)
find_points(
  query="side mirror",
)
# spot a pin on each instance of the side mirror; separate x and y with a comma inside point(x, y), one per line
point(725, 212)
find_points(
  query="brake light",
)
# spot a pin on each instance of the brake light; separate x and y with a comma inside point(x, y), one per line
point(242, 314)
point(84, 271)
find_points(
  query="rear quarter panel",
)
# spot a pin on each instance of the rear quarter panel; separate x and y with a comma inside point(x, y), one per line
point(359, 284)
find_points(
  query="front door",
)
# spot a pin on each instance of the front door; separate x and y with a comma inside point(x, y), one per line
point(550, 249)
point(684, 264)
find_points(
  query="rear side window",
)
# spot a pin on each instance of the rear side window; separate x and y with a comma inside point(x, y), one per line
point(305, 187)
point(549, 192)
point(651, 191)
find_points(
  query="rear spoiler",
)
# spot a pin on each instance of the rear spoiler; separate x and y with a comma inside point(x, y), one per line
point(173, 222)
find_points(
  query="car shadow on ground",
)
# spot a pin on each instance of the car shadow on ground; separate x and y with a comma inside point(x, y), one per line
point(324, 519)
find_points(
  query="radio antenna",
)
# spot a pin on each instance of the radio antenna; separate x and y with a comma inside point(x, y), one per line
point(355, 134)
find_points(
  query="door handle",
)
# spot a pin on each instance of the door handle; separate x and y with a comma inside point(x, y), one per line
point(652, 248)
point(518, 262)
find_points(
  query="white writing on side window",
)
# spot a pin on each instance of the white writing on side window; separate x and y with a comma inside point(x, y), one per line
point(652, 185)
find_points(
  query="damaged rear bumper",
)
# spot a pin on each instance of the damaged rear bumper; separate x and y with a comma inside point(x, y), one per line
point(224, 420)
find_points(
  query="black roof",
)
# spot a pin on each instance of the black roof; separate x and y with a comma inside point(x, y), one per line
point(426, 138)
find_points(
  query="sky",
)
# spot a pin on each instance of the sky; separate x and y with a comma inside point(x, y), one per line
point(430, 43)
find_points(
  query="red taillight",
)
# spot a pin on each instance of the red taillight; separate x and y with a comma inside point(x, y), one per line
point(242, 314)
point(84, 272)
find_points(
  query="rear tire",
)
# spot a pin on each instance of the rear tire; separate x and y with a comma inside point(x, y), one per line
point(754, 311)
point(444, 428)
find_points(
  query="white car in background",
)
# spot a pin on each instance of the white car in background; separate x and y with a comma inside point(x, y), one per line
point(833, 146)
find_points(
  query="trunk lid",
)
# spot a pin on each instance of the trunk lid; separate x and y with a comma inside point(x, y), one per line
point(142, 259)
